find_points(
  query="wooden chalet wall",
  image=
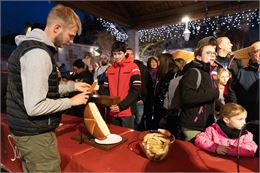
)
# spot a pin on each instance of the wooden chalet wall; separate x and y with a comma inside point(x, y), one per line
point(187, 56)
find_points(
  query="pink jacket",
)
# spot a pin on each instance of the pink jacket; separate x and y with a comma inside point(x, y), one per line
point(214, 136)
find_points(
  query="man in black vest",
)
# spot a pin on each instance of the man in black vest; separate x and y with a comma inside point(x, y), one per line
point(33, 90)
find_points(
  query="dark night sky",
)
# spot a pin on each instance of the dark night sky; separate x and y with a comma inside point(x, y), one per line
point(14, 14)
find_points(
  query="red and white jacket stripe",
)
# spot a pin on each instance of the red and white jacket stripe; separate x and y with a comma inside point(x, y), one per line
point(123, 79)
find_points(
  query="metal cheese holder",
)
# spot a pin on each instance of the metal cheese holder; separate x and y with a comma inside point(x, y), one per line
point(104, 99)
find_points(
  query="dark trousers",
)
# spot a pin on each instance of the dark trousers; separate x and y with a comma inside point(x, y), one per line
point(124, 121)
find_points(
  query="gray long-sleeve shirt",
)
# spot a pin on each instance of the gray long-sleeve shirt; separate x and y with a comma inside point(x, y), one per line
point(36, 66)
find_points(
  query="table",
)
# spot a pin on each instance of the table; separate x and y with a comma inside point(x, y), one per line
point(182, 157)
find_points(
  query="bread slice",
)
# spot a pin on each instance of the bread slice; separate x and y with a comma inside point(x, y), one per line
point(92, 87)
point(94, 122)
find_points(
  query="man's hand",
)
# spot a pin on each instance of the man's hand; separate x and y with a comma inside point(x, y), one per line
point(114, 108)
point(79, 99)
point(82, 86)
point(222, 149)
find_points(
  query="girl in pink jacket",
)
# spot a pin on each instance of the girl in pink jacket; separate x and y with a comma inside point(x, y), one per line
point(222, 137)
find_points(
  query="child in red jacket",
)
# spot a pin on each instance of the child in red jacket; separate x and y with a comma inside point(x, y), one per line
point(122, 79)
point(222, 137)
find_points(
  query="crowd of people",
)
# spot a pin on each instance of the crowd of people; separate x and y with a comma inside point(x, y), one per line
point(216, 94)
point(185, 98)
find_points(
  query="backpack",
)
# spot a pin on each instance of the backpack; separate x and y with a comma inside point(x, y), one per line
point(172, 99)
point(172, 103)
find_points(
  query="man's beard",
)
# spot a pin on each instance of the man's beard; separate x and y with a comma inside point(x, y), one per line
point(58, 40)
point(103, 63)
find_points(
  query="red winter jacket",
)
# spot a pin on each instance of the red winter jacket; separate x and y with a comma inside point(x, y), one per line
point(123, 79)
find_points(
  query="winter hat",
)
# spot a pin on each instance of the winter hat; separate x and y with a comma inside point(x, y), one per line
point(204, 42)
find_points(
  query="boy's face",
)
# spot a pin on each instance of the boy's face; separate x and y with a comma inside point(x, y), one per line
point(208, 54)
point(118, 56)
point(236, 122)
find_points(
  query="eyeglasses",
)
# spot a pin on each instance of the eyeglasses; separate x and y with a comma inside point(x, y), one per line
point(211, 53)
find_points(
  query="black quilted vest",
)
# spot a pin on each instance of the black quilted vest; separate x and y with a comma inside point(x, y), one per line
point(19, 122)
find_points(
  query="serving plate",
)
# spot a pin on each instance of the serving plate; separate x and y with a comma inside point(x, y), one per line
point(111, 139)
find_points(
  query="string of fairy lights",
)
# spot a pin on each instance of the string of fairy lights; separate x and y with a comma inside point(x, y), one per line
point(114, 30)
point(207, 25)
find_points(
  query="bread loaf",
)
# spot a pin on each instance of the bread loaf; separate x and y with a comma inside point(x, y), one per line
point(94, 122)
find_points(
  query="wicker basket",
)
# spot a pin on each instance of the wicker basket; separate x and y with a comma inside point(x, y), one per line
point(156, 145)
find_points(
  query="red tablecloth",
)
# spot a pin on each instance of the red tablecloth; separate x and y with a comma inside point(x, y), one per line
point(9, 159)
point(9, 155)
point(183, 156)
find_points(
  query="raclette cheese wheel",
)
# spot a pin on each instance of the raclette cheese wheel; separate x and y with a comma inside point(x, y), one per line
point(94, 122)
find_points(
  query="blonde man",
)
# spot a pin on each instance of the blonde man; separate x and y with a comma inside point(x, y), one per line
point(33, 103)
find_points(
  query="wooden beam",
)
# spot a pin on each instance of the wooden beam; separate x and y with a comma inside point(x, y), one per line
point(123, 17)
point(172, 12)
point(126, 11)
point(93, 8)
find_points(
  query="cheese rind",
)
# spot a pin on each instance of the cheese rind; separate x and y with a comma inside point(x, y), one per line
point(94, 122)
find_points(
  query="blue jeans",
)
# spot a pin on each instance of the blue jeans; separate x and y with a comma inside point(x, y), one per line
point(124, 121)
point(139, 113)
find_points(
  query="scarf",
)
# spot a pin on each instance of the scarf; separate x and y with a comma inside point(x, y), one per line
point(231, 133)
point(153, 73)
